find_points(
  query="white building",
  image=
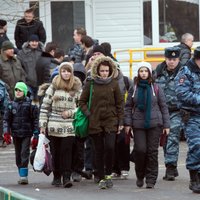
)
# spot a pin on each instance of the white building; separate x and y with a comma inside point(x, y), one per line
point(124, 23)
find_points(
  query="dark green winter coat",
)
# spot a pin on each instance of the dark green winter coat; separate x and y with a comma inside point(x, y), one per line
point(106, 112)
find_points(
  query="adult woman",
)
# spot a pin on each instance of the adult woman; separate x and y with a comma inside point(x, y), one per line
point(105, 116)
point(146, 111)
point(61, 101)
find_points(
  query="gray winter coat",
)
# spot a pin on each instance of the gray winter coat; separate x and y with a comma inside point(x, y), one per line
point(159, 110)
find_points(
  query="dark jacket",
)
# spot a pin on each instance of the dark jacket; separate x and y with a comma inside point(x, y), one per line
point(21, 118)
point(28, 58)
point(159, 110)
point(106, 112)
point(24, 30)
point(3, 37)
point(11, 72)
point(76, 53)
point(185, 54)
point(43, 68)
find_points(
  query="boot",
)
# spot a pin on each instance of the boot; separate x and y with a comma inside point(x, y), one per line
point(171, 173)
point(23, 173)
point(66, 180)
point(56, 179)
point(194, 181)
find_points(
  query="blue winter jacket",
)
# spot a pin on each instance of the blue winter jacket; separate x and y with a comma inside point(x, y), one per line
point(188, 87)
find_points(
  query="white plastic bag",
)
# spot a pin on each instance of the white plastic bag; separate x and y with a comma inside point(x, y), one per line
point(39, 160)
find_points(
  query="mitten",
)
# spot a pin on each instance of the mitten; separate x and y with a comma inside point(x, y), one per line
point(34, 141)
point(7, 138)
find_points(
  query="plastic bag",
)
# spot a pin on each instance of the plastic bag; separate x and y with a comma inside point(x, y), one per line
point(39, 160)
point(48, 168)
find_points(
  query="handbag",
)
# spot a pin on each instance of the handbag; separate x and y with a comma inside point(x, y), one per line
point(81, 121)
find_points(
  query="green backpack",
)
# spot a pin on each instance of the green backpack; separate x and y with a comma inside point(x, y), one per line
point(81, 121)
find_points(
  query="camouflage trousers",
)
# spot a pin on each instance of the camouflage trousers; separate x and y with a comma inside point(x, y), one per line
point(192, 134)
point(171, 149)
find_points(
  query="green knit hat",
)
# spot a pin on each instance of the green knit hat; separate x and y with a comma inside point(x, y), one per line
point(22, 86)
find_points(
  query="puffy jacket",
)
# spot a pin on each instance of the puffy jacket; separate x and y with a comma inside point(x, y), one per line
point(167, 83)
point(24, 30)
point(188, 87)
point(21, 118)
point(159, 111)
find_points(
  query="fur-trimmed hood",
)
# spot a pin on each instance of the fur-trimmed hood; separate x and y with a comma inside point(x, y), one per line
point(42, 89)
point(99, 60)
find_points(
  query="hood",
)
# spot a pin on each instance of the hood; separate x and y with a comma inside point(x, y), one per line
point(26, 49)
point(99, 60)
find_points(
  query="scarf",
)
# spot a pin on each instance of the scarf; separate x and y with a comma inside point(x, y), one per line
point(102, 81)
point(144, 101)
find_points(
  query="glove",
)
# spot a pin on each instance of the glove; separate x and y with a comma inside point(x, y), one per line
point(7, 138)
point(34, 142)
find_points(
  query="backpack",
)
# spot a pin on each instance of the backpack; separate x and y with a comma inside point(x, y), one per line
point(4, 96)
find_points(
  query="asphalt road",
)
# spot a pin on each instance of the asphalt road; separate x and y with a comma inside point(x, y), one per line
point(40, 187)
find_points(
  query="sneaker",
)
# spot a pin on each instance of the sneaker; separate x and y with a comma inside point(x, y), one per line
point(115, 175)
point(102, 184)
point(76, 177)
point(109, 183)
point(124, 174)
point(150, 186)
point(23, 181)
point(87, 174)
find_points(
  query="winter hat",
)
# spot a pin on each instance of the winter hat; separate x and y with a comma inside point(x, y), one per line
point(22, 86)
point(172, 52)
point(68, 64)
point(7, 45)
point(197, 53)
point(98, 48)
point(34, 38)
point(144, 64)
point(3, 22)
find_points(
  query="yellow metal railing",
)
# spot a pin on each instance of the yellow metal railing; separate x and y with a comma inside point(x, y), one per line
point(148, 54)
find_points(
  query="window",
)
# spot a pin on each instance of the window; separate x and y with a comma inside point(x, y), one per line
point(171, 19)
point(66, 16)
point(177, 17)
point(147, 22)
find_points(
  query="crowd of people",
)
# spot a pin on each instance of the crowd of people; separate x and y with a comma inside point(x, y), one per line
point(41, 87)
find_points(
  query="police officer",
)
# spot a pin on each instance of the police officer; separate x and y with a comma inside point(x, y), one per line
point(165, 74)
point(188, 92)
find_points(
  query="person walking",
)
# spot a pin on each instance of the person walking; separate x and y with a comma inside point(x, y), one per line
point(56, 116)
point(21, 122)
point(187, 90)
point(105, 116)
point(147, 114)
point(165, 74)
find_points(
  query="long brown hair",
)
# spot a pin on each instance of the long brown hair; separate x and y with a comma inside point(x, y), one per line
point(62, 84)
point(149, 79)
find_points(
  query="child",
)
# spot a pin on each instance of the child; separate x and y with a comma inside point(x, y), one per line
point(21, 120)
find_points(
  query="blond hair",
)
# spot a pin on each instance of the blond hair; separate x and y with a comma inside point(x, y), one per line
point(62, 84)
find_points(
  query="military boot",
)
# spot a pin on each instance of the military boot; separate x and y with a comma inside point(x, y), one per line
point(171, 173)
point(194, 181)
